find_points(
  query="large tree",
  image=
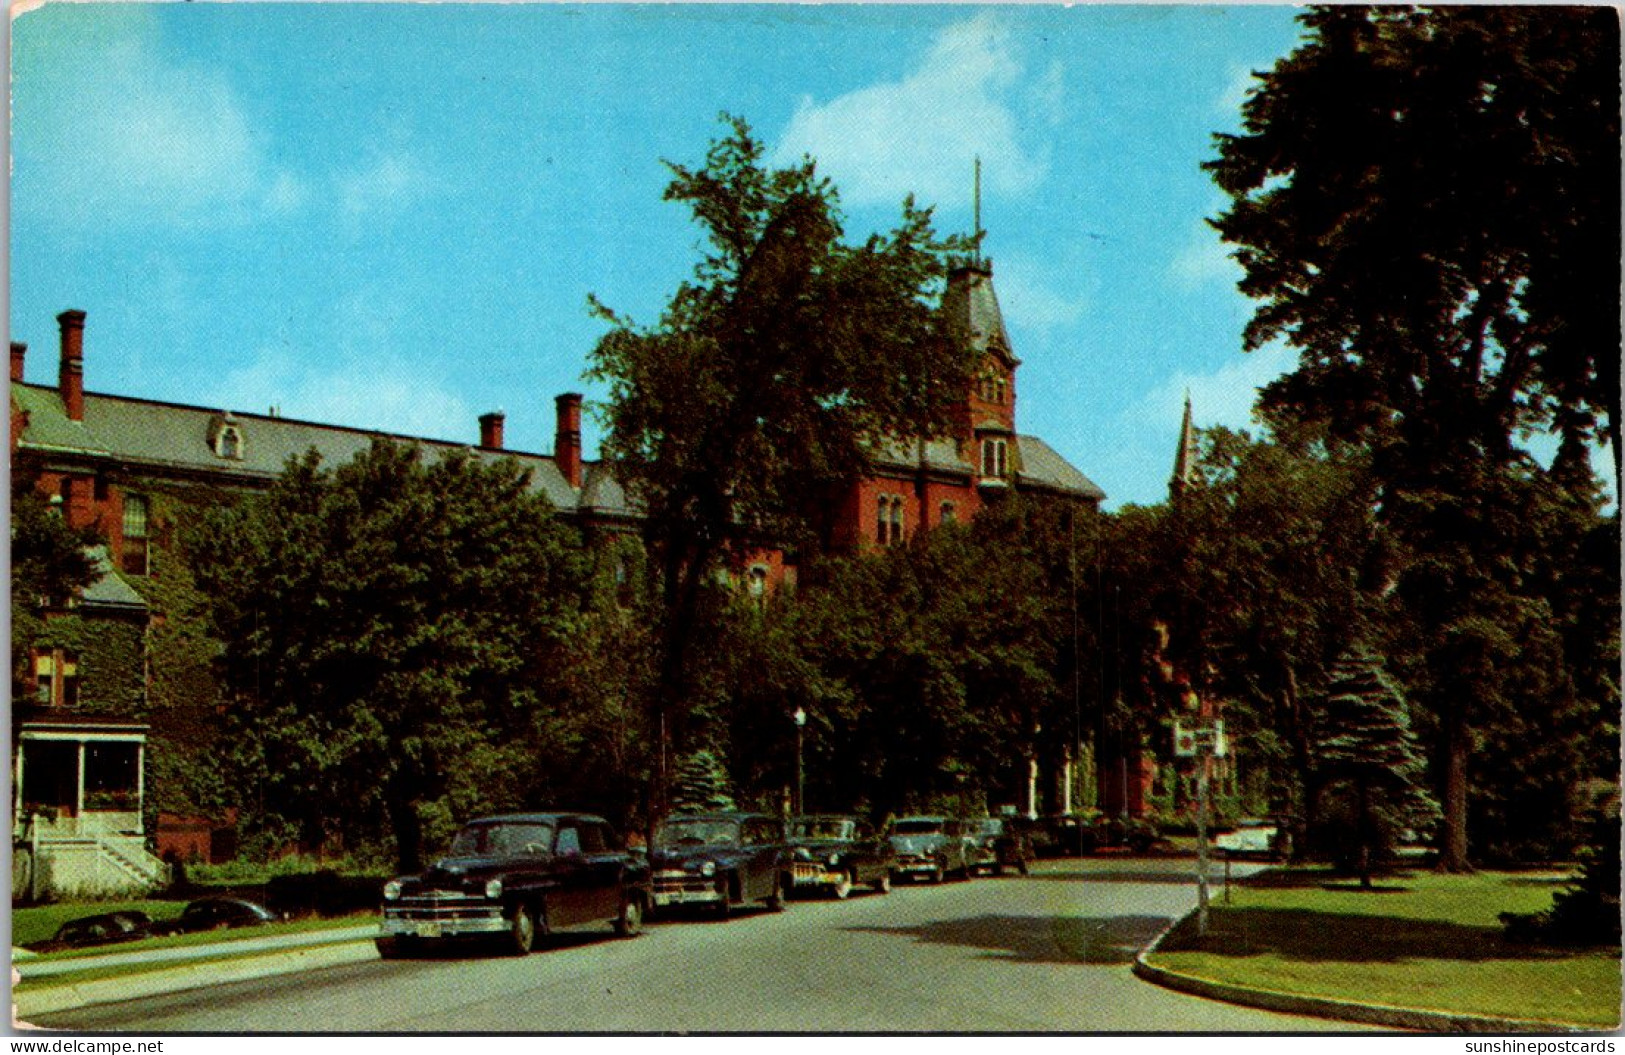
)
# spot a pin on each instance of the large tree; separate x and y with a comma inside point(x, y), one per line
point(773, 373)
point(386, 625)
point(1426, 203)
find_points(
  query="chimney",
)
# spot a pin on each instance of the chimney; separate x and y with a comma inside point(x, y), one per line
point(491, 430)
point(18, 351)
point(71, 380)
point(567, 438)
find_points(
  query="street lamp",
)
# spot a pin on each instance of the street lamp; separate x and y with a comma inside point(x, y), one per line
point(801, 721)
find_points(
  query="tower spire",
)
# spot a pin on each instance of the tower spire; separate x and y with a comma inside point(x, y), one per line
point(1185, 458)
point(976, 251)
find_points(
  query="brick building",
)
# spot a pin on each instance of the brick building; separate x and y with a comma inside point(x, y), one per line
point(131, 467)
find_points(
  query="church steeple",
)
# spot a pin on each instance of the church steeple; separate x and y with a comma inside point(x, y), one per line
point(1185, 459)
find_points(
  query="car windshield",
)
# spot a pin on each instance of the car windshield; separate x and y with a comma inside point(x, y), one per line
point(918, 826)
point(823, 828)
point(698, 833)
point(509, 837)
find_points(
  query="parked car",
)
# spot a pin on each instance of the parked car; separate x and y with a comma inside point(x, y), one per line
point(1253, 837)
point(836, 853)
point(998, 843)
point(1064, 835)
point(219, 913)
point(106, 928)
point(517, 877)
point(931, 848)
point(720, 861)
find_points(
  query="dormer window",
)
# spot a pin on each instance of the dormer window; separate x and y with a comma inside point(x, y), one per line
point(993, 458)
point(226, 437)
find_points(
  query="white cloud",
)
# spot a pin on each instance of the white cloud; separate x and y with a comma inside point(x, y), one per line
point(1223, 397)
point(1203, 261)
point(386, 182)
point(367, 381)
point(1028, 293)
point(969, 96)
point(109, 132)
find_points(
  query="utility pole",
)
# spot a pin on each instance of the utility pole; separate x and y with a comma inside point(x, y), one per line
point(1203, 743)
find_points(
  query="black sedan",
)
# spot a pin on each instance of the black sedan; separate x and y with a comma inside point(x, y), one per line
point(720, 861)
point(106, 928)
point(836, 853)
point(219, 913)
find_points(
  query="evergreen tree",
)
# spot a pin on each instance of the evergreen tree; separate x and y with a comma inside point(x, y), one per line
point(1364, 747)
point(701, 785)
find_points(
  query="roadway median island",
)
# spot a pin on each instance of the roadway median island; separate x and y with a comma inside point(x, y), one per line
point(1421, 950)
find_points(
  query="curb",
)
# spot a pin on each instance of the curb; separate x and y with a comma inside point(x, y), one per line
point(53, 998)
point(1405, 1018)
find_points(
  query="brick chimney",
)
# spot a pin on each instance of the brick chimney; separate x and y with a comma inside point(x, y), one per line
point(491, 430)
point(567, 437)
point(71, 379)
point(18, 351)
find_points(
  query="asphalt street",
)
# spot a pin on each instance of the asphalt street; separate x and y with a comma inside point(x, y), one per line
point(1048, 953)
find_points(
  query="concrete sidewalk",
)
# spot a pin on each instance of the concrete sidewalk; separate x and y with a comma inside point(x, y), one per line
point(174, 970)
point(236, 946)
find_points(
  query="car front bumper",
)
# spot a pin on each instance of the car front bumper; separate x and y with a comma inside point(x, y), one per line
point(684, 888)
point(807, 875)
point(441, 922)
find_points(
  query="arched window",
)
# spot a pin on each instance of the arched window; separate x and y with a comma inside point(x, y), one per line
point(758, 580)
point(947, 514)
point(135, 534)
point(993, 458)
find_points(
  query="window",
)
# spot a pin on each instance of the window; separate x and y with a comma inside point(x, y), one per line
point(56, 677)
point(135, 534)
point(897, 519)
point(231, 443)
point(883, 520)
point(993, 458)
point(947, 514)
point(569, 843)
point(758, 580)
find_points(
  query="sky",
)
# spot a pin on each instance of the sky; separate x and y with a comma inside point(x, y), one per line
point(392, 216)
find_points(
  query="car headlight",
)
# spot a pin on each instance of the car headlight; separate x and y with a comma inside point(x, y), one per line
point(493, 888)
point(834, 859)
point(392, 890)
point(709, 868)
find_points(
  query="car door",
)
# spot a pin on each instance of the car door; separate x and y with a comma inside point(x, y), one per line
point(763, 839)
point(603, 862)
point(570, 902)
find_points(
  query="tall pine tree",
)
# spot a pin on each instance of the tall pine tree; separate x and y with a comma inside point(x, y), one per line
point(1364, 747)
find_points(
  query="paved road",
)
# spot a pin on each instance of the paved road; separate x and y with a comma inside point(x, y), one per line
point(1049, 952)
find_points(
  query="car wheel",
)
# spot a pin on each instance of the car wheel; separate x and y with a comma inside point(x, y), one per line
point(629, 923)
point(843, 887)
point(883, 884)
point(522, 930)
point(392, 948)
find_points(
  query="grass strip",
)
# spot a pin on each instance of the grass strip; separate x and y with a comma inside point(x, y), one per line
point(1419, 940)
point(212, 937)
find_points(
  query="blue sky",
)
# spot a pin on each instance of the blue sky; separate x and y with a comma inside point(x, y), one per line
point(391, 216)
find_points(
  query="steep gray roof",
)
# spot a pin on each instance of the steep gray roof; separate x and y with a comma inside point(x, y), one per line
point(1041, 465)
point(971, 309)
point(109, 590)
point(170, 436)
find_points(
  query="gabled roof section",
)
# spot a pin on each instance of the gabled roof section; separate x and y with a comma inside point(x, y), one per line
point(1043, 467)
point(177, 438)
point(971, 310)
point(109, 590)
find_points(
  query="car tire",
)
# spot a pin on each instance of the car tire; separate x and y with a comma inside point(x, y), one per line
point(393, 948)
point(883, 884)
point(843, 887)
point(629, 921)
point(522, 929)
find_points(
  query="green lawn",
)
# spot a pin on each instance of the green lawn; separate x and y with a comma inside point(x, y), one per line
point(1420, 940)
point(43, 922)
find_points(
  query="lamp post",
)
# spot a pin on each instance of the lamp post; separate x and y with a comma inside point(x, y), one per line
point(801, 721)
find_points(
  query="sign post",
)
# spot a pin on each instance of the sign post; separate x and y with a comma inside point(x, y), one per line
point(1204, 743)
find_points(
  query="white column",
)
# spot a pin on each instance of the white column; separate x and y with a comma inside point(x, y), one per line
point(1032, 786)
point(17, 806)
point(140, 786)
point(1066, 784)
point(79, 805)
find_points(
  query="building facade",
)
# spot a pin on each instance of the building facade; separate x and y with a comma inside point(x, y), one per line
point(133, 469)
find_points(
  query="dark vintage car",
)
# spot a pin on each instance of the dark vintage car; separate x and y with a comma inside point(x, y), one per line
point(720, 861)
point(931, 848)
point(219, 913)
point(107, 928)
point(997, 843)
point(836, 853)
point(517, 877)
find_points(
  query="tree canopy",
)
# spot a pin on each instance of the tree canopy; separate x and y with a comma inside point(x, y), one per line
point(386, 625)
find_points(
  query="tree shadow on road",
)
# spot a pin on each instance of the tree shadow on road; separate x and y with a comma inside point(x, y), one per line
point(1322, 937)
point(1169, 874)
point(1039, 939)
